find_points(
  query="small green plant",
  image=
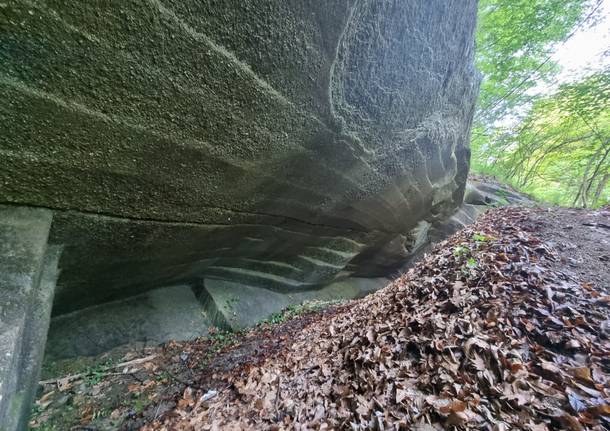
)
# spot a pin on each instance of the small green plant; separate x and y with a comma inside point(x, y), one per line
point(471, 264)
point(34, 413)
point(164, 375)
point(223, 338)
point(295, 310)
point(276, 318)
point(220, 339)
point(138, 406)
point(95, 374)
point(97, 414)
point(461, 250)
point(479, 237)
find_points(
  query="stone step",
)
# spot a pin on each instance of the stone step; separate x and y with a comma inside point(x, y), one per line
point(157, 316)
point(234, 306)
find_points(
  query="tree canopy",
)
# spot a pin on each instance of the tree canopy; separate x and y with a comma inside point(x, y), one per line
point(554, 146)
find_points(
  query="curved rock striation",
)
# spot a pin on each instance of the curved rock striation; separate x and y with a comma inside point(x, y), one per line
point(280, 144)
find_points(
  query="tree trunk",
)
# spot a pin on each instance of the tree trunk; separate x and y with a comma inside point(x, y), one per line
point(599, 165)
point(600, 188)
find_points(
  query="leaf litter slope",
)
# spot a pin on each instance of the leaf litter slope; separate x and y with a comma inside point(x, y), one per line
point(487, 332)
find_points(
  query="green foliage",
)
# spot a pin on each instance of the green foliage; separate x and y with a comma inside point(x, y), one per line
point(513, 38)
point(276, 318)
point(220, 339)
point(479, 237)
point(466, 252)
point(139, 404)
point(461, 250)
point(560, 152)
point(95, 374)
point(554, 147)
point(100, 413)
point(163, 375)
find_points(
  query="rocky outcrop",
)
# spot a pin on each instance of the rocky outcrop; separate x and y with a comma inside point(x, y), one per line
point(483, 190)
point(280, 144)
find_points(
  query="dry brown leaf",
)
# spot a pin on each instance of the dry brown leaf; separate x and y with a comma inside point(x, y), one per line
point(571, 423)
point(479, 363)
point(537, 427)
point(446, 406)
point(600, 410)
point(86, 415)
point(497, 346)
point(45, 400)
point(134, 387)
point(583, 374)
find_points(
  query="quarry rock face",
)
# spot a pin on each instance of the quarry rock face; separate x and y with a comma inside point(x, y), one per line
point(28, 271)
point(282, 144)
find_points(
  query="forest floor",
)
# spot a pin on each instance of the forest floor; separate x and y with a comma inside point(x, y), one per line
point(505, 325)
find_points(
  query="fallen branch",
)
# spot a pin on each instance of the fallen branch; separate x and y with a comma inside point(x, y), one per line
point(602, 225)
point(73, 377)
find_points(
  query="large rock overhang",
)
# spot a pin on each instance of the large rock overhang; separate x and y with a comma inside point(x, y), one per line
point(276, 143)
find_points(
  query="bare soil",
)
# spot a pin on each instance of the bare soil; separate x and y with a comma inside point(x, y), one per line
point(582, 240)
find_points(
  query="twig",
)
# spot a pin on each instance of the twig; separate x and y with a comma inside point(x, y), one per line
point(277, 396)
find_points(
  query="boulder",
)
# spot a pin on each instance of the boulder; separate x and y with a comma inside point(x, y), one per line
point(278, 144)
point(485, 190)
